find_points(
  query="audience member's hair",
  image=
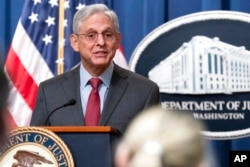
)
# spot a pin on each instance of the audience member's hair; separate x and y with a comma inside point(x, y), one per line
point(4, 90)
point(162, 138)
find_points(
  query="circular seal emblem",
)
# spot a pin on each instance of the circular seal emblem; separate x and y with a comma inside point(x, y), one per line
point(201, 62)
point(34, 147)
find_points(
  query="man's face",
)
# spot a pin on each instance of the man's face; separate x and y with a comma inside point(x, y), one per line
point(97, 41)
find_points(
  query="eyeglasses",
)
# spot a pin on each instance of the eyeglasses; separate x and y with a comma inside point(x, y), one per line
point(92, 36)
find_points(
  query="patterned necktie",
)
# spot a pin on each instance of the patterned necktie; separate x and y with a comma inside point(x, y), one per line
point(93, 106)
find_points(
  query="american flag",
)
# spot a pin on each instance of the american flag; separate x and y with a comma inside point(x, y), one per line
point(41, 49)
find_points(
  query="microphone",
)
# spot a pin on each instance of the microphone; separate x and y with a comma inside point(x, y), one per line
point(69, 103)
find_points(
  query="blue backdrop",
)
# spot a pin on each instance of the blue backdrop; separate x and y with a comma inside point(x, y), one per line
point(137, 19)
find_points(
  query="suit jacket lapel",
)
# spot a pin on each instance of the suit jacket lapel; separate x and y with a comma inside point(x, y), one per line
point(117, 88)
point(71, 87)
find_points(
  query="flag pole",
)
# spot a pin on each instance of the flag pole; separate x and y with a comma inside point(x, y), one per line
point(60, 56)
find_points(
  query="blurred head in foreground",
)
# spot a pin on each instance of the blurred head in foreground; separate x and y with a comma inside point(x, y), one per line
point(4, 90)
point(162, 138)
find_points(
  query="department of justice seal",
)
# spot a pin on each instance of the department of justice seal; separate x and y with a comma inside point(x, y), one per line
point(201, 63)
point(35, 147)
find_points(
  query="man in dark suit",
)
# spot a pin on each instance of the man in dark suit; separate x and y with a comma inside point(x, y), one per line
point(122, 93)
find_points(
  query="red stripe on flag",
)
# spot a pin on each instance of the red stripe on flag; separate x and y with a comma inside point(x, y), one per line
point(121, 49)
point(10, 121)
point(20, 77)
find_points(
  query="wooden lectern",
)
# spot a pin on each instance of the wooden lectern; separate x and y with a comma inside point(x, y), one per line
point(89, 146)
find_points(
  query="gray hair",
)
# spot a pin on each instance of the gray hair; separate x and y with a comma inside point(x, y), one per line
point(164, 138)
point(85, 12)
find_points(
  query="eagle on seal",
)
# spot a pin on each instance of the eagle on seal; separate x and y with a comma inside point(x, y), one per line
point(28, 159)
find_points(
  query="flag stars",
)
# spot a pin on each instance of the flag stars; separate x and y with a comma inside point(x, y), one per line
point(47, 39)
point(65, 23)
point(53, 3)
point(36, 1)
point(50, 21)
point(33, 17)
point(66, 5)
point(80, 6)
point(59, 61)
